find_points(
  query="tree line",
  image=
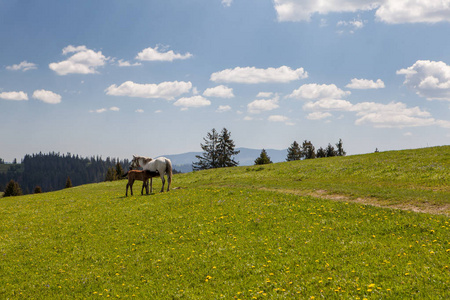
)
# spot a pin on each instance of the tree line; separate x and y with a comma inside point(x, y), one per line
point(218, 151)
point(52, 171)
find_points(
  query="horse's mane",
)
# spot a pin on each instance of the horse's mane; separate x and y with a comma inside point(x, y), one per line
point(145, 159)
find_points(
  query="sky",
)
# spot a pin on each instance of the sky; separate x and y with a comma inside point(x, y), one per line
point(117, 78)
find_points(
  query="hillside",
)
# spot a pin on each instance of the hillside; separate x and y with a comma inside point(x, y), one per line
point(246, 232)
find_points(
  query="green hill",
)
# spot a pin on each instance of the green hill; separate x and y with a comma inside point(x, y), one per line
point(248, 232)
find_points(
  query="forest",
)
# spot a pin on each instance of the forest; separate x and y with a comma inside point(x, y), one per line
point(51, 171)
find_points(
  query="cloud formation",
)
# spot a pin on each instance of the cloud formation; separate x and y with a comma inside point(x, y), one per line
point(153, 54)
point(318, 91)
point(223, 108)
point(15, 96)
point(47, 96)
point(220, 91)
point(84, 61)
point(429, 79)
point(167, 90)
point(388, 11)
point(252, 75)
point(194, 101)
point(23, 66)
point(363, 84)
point(259, 106)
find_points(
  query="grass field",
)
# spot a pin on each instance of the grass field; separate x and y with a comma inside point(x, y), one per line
point(243, 233)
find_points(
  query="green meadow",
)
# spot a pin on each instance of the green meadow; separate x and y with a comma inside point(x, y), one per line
point(372, 226)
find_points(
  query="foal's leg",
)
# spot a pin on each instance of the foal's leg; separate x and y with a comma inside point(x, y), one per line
point(131, 186)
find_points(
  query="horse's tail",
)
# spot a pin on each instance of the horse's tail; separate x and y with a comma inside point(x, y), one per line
point(125, 175)
point(169, 170)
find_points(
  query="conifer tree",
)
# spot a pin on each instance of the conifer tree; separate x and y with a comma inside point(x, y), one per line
point(321, 153)
point(12, 189)
point(37, 190)
point(308, 150)
point(68, 182)
point(119, 170)
point(226, 150)
point(340, 149)
point(263, 158)
point(210, 156)
point(330, 151)
point(294, 152)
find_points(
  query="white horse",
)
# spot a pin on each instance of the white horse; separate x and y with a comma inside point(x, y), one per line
point(161, 164)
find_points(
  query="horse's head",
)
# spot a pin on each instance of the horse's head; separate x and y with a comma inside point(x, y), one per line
point(135, 162)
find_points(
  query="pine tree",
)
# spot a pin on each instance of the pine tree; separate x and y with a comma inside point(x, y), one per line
point(330, 151)
point(294, 152)
point(263, 158)
point(340, 149)
point(308, 150)
point(119, 170)
point(226, 150)
point(210, 156)
point(110, 174)
point(68, 182)
point(321, 153)
point(12, 189)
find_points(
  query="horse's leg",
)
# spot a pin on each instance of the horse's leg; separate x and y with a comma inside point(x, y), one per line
point(169, 181)
point(163, 181)
point(146, 186)
point(151, 185)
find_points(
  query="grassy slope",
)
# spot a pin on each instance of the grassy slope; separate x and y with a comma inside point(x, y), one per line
point(223, 235)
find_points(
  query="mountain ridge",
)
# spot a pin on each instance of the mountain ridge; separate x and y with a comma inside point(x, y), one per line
point(183, 162)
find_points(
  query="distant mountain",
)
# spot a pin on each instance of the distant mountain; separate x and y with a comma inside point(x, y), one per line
point(183, 162)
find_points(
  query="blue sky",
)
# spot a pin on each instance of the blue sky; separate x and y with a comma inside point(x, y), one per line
point(117, 78)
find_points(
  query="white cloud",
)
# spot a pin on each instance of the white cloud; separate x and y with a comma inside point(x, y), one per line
point(153, 54)
point(264, 95)
point(254, 75)
point(125, 63)
point(24, 66)
point(259, 106)
point(429, 79)
point(102, 110)
point(194, 101)
point(220, 91)
point(365, 84)
point(316, 91)
point(227, 3)
point(328, 104)
point(278, 118)
point(223, 108)
point(16, 96)
point(99, 111)
point(318, 115)
point(302, 10)
point(281, 119)
point(388, 11)
point(139, 110)
point(84, 61)
point(414, 11)
point(47, 96)
point(352, 25)
point(166, 90)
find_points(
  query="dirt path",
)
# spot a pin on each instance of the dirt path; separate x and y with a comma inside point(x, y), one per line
point(422, 208)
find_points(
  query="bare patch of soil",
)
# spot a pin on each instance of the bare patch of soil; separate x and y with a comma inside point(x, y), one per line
point(416, 207)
